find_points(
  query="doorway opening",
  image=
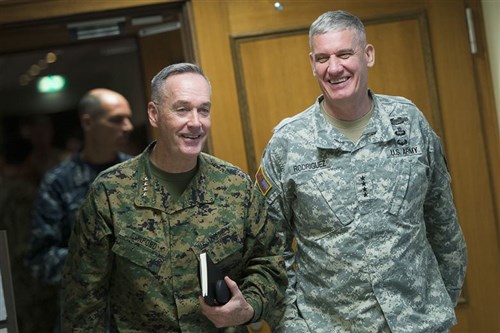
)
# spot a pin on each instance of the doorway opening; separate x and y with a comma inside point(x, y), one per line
point(120, 50)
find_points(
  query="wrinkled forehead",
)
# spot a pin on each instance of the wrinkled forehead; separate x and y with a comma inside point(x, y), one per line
point(190, 87)
point(336, 39)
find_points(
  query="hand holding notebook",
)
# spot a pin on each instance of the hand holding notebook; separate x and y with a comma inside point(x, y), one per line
point(213, 288)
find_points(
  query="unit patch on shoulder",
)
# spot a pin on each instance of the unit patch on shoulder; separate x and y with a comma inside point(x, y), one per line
point(262, 182)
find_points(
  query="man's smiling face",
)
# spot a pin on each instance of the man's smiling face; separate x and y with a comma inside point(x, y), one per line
point(183, 116)
point(340, 63)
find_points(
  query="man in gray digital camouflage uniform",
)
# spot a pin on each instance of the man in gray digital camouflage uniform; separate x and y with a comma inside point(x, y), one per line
point(138, 236)
point(359, 182)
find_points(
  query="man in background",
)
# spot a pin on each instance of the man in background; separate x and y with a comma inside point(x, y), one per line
point(105, 118)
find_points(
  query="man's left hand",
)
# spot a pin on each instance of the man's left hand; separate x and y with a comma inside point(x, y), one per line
point(235, 312)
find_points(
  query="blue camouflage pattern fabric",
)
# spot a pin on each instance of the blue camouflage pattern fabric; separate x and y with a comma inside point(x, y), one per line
point(378, 244)
point(60, 194)
point(132, 243)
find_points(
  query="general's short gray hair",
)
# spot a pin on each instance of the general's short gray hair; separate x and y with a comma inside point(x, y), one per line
point(174, 69)
point(336, 21)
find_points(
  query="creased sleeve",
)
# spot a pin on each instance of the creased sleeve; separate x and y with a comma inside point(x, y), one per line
point(265, 280)
point(47, 250)
point(443, 229)
point(280, 213)
point(87, 268)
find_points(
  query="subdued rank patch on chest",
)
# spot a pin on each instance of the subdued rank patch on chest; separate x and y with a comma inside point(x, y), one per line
point(262, 181)
point(364, 187)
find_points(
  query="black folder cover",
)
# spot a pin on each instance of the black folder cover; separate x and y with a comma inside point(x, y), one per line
point(213, 288)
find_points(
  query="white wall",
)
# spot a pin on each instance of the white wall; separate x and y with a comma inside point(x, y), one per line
point(491, 12)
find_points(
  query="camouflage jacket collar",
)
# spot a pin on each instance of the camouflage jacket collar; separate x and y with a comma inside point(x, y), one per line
point(150, 193)
point(327, 137)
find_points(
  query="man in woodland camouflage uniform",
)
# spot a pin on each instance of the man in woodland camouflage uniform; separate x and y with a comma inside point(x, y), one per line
point(139, 234)
point(359, 182)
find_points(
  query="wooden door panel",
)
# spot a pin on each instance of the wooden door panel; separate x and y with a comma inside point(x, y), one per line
point(277, 63)
point(401, 65)
point(421, 53)
point(258, 16)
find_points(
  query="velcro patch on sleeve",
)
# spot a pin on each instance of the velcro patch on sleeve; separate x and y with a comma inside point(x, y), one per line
point(262, 181)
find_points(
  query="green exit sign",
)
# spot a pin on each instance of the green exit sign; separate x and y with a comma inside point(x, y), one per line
point(51, 83)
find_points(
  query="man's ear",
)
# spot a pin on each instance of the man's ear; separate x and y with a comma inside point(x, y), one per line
point(85, 121)
point(311, 61)
point(370, 55)
point(153, 114)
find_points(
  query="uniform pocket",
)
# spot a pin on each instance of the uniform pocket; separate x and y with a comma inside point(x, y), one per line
point(319, 208)
point(225, 246)
point(138, 249)
point(410, 188)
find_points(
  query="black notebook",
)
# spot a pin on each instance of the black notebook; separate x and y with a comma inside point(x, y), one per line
point(213, 288)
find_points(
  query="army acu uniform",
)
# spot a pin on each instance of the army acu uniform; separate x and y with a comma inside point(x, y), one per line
point(61, 193)
point(135, 244)
point(378, 244)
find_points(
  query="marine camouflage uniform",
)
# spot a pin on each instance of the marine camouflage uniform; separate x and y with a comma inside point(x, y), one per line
point(61, 193)
point(135, 244)
point(378, 244)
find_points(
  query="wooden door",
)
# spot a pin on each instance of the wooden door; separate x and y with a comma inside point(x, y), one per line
point(257, 59)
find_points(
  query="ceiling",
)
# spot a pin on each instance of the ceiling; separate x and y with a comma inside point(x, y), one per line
point(92, 50)
point(113, 64)
point(97, 50)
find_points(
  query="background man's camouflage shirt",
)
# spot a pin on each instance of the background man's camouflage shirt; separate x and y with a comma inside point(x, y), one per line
point(61, 193)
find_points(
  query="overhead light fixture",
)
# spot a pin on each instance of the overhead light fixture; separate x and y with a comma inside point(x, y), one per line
point(154, 19)
point(160, 28)
point(51, 84)
point(97, 28)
